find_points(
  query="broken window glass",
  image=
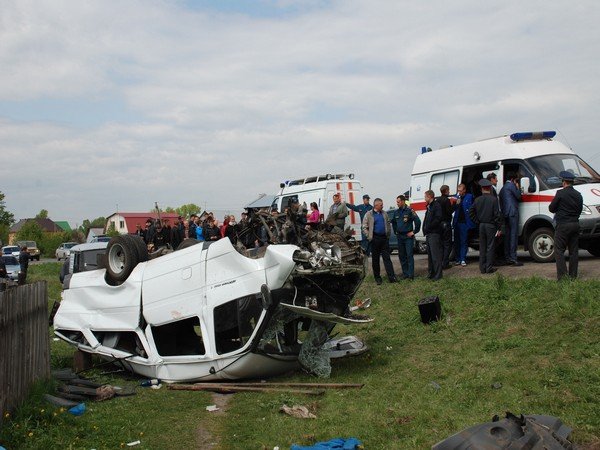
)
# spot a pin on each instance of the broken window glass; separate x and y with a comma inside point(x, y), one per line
point(183, 337)
point(235, 321)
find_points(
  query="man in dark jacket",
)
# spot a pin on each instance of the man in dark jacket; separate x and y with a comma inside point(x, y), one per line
point(486, 212)
point(24, 263)
point(447, 210)
point(433, 231)
point(405, 223)
point(566, 206)
point(510, 197)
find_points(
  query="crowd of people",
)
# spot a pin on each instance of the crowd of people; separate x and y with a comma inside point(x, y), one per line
point(449, 224)
point(451, 221)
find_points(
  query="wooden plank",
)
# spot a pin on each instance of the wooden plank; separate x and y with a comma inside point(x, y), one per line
point(224, 389)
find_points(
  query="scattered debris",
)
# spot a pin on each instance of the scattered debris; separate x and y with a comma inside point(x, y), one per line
point(297, 411)
point(434, 385)
point(361, 304)
point(58, 401)
point(517, 433)
point(134, 443)
point(333, 444)
point(148, 383)
point(227, 388)
point(77, 410)
point(497, 385)
point(76, 390)
point(212, 408)
point(345, 346)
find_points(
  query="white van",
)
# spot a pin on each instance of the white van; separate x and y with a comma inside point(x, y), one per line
point(538, 159)
point(320, 189)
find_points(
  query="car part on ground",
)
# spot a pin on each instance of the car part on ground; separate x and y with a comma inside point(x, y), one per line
point(531, 432)
point(212, 311)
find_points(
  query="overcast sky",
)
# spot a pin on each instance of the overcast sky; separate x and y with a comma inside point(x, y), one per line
point(106, 103)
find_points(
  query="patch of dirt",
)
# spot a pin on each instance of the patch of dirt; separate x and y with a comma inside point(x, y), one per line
point(204, 437)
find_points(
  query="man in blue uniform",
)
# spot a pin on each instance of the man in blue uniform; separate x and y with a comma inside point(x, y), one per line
point(510, 197)
point(362, 210)
point(566, 206)
point(406, 223)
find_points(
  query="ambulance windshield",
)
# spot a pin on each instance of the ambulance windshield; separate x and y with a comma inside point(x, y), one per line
point(548, 167)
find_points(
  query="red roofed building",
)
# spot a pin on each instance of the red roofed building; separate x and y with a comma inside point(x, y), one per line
point(125, 222)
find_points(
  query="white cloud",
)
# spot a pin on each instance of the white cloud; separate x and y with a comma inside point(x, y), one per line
point(222, 106)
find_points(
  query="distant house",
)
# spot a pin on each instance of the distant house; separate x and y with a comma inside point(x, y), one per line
point(64, 225)
point(125, 222)
point(46, 225)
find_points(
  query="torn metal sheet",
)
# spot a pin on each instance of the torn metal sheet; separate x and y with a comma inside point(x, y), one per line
point(212, 311)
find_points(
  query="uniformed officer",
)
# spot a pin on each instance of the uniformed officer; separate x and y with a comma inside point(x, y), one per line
point(406, 223)
point(486, 212)
point(362, 210)
point(566, 206)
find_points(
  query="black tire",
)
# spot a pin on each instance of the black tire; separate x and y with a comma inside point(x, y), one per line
point(121, 258)
point(541, 245)
point(594, 248)
point(140, 246)
point(188, 243)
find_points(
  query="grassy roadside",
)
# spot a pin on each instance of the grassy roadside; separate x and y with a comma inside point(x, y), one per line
point(536, 341)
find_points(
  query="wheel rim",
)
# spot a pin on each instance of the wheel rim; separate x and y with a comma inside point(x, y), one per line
point(543, 245)
point(116, 258)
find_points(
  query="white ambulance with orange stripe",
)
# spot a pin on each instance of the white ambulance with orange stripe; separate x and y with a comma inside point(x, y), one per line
point(320, 189)
point(538, 159)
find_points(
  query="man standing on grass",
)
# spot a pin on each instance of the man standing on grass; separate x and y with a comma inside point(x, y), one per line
point(362, 210)
point(433, 231)
point(406, 223)
point(24, 263)
point(376, 226)
point(510, 197)
point(447, 210)
point(566, 206)
point(486, 212)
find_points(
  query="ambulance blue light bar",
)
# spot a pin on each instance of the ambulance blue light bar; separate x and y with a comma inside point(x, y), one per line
point(532, 135)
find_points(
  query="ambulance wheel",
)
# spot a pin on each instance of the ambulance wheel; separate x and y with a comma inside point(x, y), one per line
point(541, 245)
point(594, 248)
point(121, 259)
point(188, 243)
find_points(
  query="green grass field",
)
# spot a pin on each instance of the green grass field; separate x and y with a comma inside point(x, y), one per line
point(528, 346)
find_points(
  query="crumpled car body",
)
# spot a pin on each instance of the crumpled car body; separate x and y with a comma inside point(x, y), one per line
point(208, 312)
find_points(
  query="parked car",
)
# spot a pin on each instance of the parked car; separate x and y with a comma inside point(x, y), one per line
point(64, 250)
point(11, 250)
point(34, 252)
point(11, 263)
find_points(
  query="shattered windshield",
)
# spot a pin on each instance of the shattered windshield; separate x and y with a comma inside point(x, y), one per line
point(548, 167)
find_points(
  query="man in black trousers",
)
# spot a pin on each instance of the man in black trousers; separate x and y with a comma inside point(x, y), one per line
point(486, 212)
point(433, 230)
point(376, 226)
point(566, 206)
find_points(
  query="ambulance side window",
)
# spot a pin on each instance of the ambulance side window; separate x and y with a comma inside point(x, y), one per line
point(449, 178)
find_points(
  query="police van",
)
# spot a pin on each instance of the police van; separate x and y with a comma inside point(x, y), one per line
point(320, 189)
point(538, 159)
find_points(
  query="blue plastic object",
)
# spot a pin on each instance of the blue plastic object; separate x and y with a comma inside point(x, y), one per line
point(78, 410)
point(333, 444)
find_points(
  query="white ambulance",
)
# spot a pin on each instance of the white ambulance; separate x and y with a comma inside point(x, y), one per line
point(538, 159)
point(320, 189)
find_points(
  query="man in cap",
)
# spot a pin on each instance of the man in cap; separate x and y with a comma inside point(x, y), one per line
point(566, 206)
point(510, 197)
point(486, 212)
point(433, 231)
point(337, 212)
point(376, 226)
point(362, 210)
point(405, 223)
